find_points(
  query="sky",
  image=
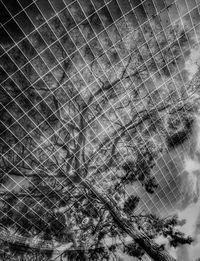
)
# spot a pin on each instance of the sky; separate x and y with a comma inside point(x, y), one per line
point(183, 190)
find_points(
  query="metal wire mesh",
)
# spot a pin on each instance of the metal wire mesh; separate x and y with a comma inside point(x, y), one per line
point(71, 53)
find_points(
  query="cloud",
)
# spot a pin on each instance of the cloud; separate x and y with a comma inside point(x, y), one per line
point(182, 254)
point(193, 62)
point(190, 205)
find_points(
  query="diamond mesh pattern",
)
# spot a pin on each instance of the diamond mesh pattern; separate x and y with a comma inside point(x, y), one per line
point(120, 58)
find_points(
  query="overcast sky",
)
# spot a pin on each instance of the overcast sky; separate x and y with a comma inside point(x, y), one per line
point(181, 195)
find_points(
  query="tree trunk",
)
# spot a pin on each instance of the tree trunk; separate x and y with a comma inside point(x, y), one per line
point(152, 249)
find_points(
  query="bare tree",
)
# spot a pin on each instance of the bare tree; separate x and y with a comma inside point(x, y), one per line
point(77, 126)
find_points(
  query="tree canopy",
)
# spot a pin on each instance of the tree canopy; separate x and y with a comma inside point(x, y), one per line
point(89, 101)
